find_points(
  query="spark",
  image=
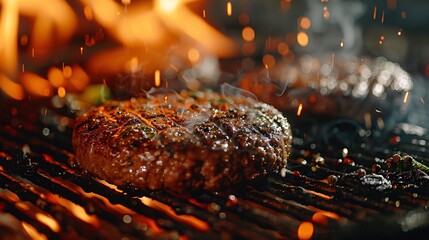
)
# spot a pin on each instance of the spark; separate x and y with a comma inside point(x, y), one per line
point(157, 78)
point(299, 111)
point(325, 13)
point(400, 32)
point(229, 8)
point(32, 52)
point(374, 15)
point(382, 17)
point(381, 40)
point(342, 43)
point(204, 13)
point(268, 60)
point(81, 51)
point(302, 39)
point(406, 97)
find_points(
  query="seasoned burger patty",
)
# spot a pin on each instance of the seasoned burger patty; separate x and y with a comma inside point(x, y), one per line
point(182, 142)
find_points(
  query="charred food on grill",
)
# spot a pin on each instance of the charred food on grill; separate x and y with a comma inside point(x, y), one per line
point(182, 141)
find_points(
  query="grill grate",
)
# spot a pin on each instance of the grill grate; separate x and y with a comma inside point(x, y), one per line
point(39, 188)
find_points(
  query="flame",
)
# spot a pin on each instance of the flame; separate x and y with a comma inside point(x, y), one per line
point(147, 29)
point(14, 90)
point(191, 220)
point(56, 20)
point(142, 25)
point(168, 6)
point(187, 23)
point(32, 232)
point(76, 210)
point(36, 85)
point(8, 34)
point(48, 221)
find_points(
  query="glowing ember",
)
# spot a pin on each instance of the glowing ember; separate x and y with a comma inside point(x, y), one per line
point(406, 97)
point(299, 111)
point(157, 77)
point(191, 220)
point(326, 13)
point(229, 8)
point(320, 218)
point(61, 92)
point(324, 196)
point(302, 39)
point(374, 16)
point(48, 221)
point(305, 230)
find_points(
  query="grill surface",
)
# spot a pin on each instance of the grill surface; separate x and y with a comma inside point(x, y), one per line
point(42, 191)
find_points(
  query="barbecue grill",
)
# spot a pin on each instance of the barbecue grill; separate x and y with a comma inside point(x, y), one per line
point(338, 184)
point(43, 195)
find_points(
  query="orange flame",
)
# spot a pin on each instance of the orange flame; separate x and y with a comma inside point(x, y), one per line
point(36, 85)
point(191, 220)
point(32, 232)
point(14, 90)
point(196, 28)
point(142, 27)
point(8, 34)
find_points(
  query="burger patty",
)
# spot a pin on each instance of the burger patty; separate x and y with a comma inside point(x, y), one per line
point(182, 141)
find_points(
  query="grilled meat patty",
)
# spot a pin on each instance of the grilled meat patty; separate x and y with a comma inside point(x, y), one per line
point(182, 141)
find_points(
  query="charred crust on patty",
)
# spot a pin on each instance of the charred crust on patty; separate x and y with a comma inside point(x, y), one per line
point(182, 142)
